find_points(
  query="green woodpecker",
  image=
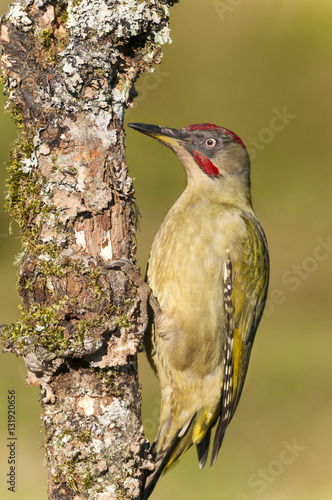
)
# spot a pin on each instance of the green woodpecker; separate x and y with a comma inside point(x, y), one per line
point(208, 270)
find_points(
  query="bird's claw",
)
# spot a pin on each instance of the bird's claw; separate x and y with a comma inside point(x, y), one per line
point(130, 270)
point(121, 262)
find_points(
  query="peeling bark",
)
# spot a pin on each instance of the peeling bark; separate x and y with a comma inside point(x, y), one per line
point(69, 69)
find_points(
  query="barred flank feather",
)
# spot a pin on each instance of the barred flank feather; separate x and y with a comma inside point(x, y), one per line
point(227, 387)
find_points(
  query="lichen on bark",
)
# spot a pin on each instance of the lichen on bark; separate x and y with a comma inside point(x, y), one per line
point(69, 69)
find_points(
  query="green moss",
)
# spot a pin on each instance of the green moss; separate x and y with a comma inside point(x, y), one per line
point(87, 480)
point(49, 263)
point(84, 326)
point(56, 477)
point(68, 470)
point(73, 470)
point(39, 325)
point(53, 41)
point(16, 116)
point(54, 167)
point(46, 38)
point(97, 291)
point(24, 201)
point(69, 475)
point(61, 11)
point(123, 321)
point(62, 435)
point(109, 381)
point(85, 436)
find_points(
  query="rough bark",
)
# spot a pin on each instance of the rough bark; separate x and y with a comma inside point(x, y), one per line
point(68, 68)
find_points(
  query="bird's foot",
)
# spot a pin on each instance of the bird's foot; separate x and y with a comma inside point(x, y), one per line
point(144, 291)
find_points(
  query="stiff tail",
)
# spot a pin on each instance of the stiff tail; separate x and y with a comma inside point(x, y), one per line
point(166, 456)
point(203, 449)
point(197, 430)
point(160, 464)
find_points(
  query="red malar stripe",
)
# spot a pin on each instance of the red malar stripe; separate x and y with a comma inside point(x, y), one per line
point(210, 126)
point(206, 164)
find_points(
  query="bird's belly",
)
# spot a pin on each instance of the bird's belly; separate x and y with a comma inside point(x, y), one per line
point(186, 270)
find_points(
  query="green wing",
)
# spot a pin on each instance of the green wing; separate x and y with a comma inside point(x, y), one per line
point(250, 283)
point(245, 288)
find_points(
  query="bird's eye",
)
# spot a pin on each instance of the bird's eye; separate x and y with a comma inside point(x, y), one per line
point(210, 143)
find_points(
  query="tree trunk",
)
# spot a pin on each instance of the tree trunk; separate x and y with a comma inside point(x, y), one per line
point(69, 69)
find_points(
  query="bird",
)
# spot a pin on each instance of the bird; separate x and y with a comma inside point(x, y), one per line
point(208, 270)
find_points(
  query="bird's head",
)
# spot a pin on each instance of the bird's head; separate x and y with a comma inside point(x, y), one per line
point(215, 159)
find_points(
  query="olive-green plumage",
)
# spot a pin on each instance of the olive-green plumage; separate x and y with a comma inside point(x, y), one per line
point(208, 269)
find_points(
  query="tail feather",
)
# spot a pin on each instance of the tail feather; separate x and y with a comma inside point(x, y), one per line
point(161, 461)
point(218, 438)
point(172, 451)
point(226, 401)
point(169, 450)
point(203, 449)
point(166, 456)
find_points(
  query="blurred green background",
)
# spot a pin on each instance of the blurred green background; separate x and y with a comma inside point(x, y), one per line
point(240, 65)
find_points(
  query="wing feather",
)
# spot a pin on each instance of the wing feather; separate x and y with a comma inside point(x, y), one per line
point(250, 283)
point(245, 285)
